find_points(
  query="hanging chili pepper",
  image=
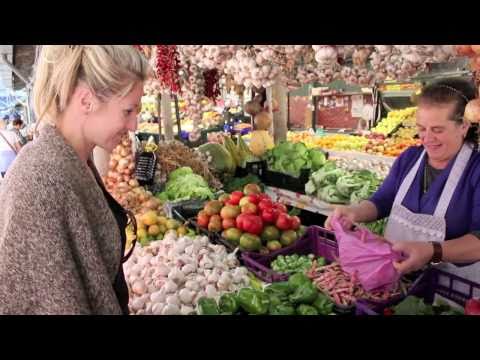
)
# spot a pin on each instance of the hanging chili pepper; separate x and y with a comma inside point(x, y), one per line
point(168, 66)
point(212, 86)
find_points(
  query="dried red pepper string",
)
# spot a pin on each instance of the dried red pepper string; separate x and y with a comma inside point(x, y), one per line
point(212, 86)
point(168, 65)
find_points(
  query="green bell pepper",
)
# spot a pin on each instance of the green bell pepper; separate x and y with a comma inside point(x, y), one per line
point(228, 303)
point(282, 309)
point(253, 301)
point(306, 310)
point(207, 306)
point(304, 294)
point(297, 280)
point(323, 304)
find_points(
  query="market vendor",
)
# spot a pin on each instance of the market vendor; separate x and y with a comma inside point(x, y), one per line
point(62, 235)
point(432, 193)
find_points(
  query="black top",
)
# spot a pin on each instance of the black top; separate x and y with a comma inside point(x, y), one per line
point(120, 285)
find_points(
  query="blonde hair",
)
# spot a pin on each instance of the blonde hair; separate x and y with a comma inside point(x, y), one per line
point(108, 70)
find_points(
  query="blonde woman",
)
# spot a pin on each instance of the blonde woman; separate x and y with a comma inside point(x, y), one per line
point(61, 234)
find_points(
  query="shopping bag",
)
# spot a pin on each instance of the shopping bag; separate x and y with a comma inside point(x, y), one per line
point(367, 256)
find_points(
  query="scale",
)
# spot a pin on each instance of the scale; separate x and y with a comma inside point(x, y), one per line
point(145, 167)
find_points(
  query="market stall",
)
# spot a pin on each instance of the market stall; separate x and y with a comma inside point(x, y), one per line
point(235, 243)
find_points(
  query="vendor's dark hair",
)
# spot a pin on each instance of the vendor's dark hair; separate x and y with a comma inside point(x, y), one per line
point(17, 122)
point(454, 90)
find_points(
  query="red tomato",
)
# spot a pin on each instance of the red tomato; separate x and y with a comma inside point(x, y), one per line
point(264, 197)
point(265, 204)
point(270, 215)
point(295, 220)
point(235, 198)
point(228, 223)
point(280, 207)
point(239, 221)
point(284, 222)
point(253, 199)
point(252, 224)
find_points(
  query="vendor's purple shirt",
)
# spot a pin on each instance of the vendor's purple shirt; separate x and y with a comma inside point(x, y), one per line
point(463, 213)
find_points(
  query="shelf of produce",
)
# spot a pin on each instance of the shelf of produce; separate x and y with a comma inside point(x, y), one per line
point(398, 93)
point(300, 201)
point(359, 155)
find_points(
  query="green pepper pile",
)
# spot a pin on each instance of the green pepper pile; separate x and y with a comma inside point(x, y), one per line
point(297, 296)
point(413, 305)
point(291, 264)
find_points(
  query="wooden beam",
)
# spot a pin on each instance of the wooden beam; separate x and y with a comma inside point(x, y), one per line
point(167, 115)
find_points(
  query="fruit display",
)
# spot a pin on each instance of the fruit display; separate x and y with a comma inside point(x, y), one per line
point(337, 186)
point(148, 127)
point(172, 155)
point(249, 219)
point(394, 119)
point(290, 158)
point(169, 277)
point(224, 158)
point(390, 147)
point(152, 226)
point(260, 142)
point(183, 184)
point(297, 296)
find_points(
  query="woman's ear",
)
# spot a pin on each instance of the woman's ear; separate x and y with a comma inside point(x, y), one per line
point(85, 99)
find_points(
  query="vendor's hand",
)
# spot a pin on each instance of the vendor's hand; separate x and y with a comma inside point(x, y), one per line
point(344, 212)
point(417, 255)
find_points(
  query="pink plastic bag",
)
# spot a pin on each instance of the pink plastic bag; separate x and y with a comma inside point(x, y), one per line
point(364, 253)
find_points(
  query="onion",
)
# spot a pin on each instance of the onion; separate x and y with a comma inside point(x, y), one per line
point(112, 164)
point(124, 152)
point(133, 183)
point(472, 111)
point(116, 157)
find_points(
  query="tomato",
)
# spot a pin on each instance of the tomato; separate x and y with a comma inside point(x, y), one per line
point(280, 207)
point(249, 208)
point(264, 197)
point(228, 223)
point(203, 219)
point(265, 204)
point(235, 198)
point(252, 224)
point(270, 215)
point(295, 220)
point(239, 221)
point(253, 198)
point(284, 222)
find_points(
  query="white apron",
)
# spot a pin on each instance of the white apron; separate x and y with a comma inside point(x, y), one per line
point(404, 225)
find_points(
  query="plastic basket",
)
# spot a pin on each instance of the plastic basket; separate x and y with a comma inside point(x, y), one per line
point(432, 283)
point(285, 181)
point(317, 241)
point(254, 167)
point(184, 210)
